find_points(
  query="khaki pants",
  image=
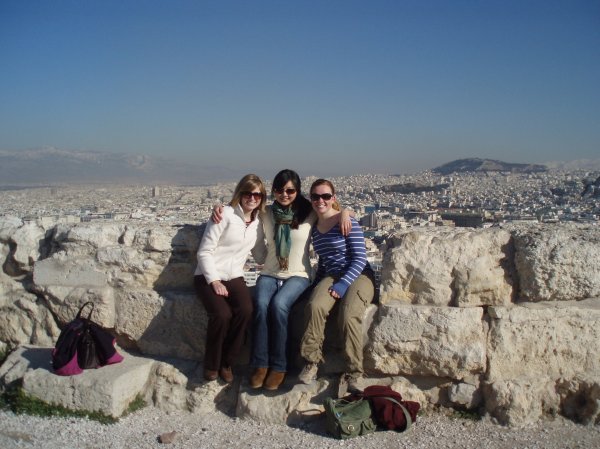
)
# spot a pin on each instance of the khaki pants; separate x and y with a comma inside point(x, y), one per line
point(352, 308)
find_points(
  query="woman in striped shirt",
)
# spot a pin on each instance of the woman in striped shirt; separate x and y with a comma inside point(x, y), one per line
point(344, 279)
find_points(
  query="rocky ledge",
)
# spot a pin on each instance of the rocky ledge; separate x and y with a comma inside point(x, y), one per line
point(502, 321)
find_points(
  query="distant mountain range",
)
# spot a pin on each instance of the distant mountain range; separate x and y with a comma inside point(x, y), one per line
point(486, 165)
point(51, 166)
point(55, 166)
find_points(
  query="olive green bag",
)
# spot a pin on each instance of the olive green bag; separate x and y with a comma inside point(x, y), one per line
point(347, 419)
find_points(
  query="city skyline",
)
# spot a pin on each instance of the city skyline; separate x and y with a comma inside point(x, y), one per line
point(324, 88)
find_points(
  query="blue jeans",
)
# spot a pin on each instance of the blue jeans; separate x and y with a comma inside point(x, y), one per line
point(273, 301)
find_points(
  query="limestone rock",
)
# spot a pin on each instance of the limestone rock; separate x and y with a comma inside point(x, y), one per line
point(29, 241)
point(444, 266)
point(167, 437)
point(4, 253)
point(465, 395)
point(424, 393)
point(68, 273)
point(178, 384)
point(169, 386)
point(558, 339)
point(520, 401)
point(292, 404)
point(8, 225)
point(580, 399)
point(94, 235)
point(22, 359)
point(24, 320)
point(448, 332)
point(427, 341)
point(109, 389)
point(558, 263)
point(172, 324)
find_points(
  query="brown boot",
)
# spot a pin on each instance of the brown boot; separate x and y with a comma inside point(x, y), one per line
point(258, 377)
point(274, 379)
point(226, 374)
point(210, 374)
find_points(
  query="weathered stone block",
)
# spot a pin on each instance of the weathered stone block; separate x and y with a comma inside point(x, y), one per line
point(423, 340)
point(109, 389)
point(170, 324)
point(24, 320)
point(465, 394)
point(292, 405)
point(449, 267)
point(68, 273)
point(520, 401)
point(8, 226)
point(558, 263)
point(558, 339)
point(29, 243)
point(95, 235)
point(580, 398)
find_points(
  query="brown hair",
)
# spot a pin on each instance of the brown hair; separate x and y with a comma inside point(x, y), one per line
point(320, 182)
point(247, 184)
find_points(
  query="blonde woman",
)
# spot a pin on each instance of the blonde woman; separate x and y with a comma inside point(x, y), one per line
point(219, 276)
point(344, 279)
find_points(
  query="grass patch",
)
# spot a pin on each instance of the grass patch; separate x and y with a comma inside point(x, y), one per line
point(466, 414)
point(137, 404)
point(23, 404)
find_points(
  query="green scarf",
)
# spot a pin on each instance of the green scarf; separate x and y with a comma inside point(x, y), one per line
point(283, 218)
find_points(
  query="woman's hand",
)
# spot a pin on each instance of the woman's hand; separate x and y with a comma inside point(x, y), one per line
point(217, 213)
point(345, 223)
point(219, 288)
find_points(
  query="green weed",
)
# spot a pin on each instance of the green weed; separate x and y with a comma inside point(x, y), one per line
point(466, 414)
point(137, 404)
point(21, 403)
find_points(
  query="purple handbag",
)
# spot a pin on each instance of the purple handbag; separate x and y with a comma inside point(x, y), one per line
point(83, 344)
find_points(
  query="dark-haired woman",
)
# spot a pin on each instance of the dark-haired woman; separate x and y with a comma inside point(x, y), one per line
point(219, 276)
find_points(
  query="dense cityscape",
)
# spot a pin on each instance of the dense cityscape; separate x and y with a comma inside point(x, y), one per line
point(383, 204)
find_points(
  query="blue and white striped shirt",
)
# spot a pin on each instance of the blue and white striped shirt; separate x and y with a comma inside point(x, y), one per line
point(341, 257)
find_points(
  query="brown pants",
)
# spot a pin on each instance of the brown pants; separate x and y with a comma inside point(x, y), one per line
point(228, 319)
point(352, 308)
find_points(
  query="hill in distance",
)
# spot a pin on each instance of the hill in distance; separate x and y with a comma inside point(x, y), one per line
point(486, 165)
point(47, 166)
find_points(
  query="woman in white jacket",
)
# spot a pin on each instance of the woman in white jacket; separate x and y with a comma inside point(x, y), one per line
point(219, 276)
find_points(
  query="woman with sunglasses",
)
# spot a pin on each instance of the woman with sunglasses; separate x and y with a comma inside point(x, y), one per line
point(285, 276)
point(344, 279)
point(219, 276)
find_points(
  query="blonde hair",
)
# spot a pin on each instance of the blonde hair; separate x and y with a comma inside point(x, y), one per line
point(247, 184)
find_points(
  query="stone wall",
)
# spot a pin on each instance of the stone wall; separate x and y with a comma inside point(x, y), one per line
point(503, 320)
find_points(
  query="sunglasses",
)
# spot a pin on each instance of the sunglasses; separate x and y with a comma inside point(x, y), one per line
point(288, 191)
point(324, 196)
point(256, 195)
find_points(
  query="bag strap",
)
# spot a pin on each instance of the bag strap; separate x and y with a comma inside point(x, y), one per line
point(83, 307)
point(404, 409)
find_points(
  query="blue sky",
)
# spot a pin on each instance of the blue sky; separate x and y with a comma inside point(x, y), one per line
point(323, 87)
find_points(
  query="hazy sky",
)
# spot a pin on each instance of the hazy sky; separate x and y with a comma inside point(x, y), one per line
point(323, 87)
